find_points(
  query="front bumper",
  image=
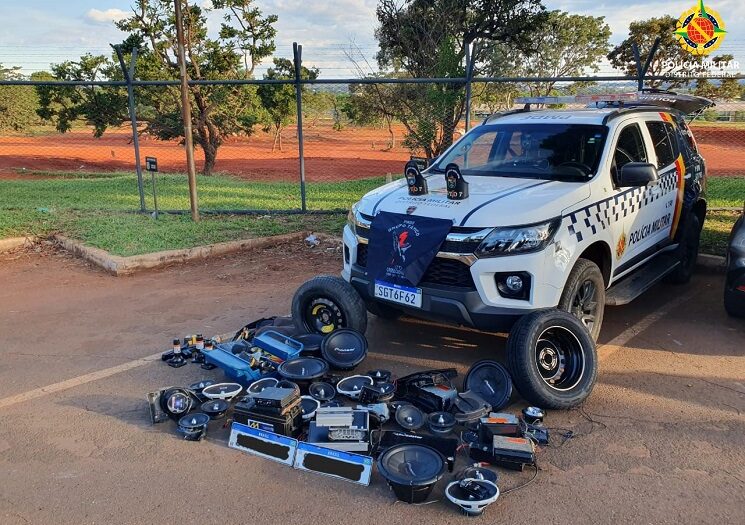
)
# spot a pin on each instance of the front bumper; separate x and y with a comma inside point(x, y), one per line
point(480, 305)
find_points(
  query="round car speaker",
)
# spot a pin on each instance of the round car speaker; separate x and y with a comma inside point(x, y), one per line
point(469, 407)
point(322, 391)
point(225, 391)
point(201, 385)
point(533, 415)
point(303, 369)
point(491, 381)
point(259, 385)
point(410, 417)
point(472, 495)
point(311, 344)
point(193, 427)
point(476, 472)
point(441, 422)
point(411, 470)
point(215, 408)
point(176, 402)
point(308, 406)
point(387, 391)
point(344, 349)
point(380, 375)
point(352, 386)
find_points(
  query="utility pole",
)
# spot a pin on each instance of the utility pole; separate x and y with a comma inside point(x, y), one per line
point(186, 115)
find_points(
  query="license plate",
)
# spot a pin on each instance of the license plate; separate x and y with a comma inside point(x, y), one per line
point(399, 294)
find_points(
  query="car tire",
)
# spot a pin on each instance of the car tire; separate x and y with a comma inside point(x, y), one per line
point(584, 296)
point(687, 252)
point(326, 303)
point(384, 311)
point(734, 303)
point(552, 359)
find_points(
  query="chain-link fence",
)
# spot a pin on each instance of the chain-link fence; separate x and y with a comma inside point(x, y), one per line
point(354, 134)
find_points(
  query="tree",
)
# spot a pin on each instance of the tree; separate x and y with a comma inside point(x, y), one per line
point(572, 45)
point(279, 99)
point(669, 60)
point(366, 106)
point(729, 88)
point(18, 104)
point(428, 38)
point(244, 39)
point(704, 88)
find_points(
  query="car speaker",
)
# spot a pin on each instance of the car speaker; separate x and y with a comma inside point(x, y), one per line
point(194, 426)
point(311, 344)
point(260, 384)
point(411, 471)
point(344, 349)
point(303, 370)
point(490, 380)
point(352, 386)
point(226, 391)
point(308, 406)
point(322, 391)
point(215, 408)
point(472, 495)
point(441, 422)
point(410, 417)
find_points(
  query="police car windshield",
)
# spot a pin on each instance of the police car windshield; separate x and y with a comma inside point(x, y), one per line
point(566, 152)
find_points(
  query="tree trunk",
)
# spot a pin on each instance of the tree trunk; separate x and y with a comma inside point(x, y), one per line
point(392, 142)
point(210, 156)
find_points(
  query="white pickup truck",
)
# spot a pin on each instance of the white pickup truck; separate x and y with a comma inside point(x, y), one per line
point(568, 209)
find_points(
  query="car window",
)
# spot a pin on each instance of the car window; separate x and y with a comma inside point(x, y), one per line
point(662, 140)
point(568, 152)
point(629, 148)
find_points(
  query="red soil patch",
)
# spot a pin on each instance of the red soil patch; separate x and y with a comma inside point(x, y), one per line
point(329, 155)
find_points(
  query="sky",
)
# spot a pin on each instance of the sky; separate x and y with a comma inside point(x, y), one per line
point(39, 32)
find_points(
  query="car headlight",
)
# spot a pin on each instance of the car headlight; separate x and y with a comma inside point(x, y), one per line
point(518, 239)
point(351, 221)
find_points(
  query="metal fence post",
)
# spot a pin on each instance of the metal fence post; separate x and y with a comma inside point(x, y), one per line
point(469, 82)
point(297, 53)
point(129, 73)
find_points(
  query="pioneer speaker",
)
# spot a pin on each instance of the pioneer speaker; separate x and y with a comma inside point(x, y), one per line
point(344, 349)
point(412, 471)
point(303, 370)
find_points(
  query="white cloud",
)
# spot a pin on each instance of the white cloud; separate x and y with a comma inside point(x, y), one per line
point(107, 16)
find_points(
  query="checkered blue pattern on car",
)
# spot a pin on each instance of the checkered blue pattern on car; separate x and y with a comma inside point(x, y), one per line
point(588, 221)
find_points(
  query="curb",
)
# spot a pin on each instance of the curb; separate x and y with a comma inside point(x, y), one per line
point(118, 266)
point(711, 263)
point(11, 243)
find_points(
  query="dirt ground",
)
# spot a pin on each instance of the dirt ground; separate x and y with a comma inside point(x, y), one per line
point(660, 440)
point(330, 155)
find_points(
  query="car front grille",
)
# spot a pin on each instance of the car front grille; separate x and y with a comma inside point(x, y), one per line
point(441, 271)
point(459, 247)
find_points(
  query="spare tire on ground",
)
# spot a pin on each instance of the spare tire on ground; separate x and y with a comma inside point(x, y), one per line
point(552, 358)
point(326, 303)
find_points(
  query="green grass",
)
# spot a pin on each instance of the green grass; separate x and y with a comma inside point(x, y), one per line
point(97, 209)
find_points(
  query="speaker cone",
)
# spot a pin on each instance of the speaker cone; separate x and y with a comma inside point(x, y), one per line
point(215, 408)
point(322, 391)
point(303, 370)
point(352, 386)
point(411, 470)
point(259, 385)
point(491, 381)
point(344, 349)
point(441, 422)
point(410, 417)
point(311, 344)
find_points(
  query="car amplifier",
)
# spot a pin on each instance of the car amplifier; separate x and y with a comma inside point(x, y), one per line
point(508, 452)
point(274, 397)
point(498, 424)
point(288, 424)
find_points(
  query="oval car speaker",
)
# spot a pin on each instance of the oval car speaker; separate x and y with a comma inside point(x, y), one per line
point(490, 380)
point(476, 472)
point(410, 417)
point(344, 349)
point(472, 495)
point(352, 386)
point(259, 385)
point(322, 391)
point(225, 391)
point(411, 470)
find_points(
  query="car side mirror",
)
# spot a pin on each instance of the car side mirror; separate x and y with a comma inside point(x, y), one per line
point(637, 174)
